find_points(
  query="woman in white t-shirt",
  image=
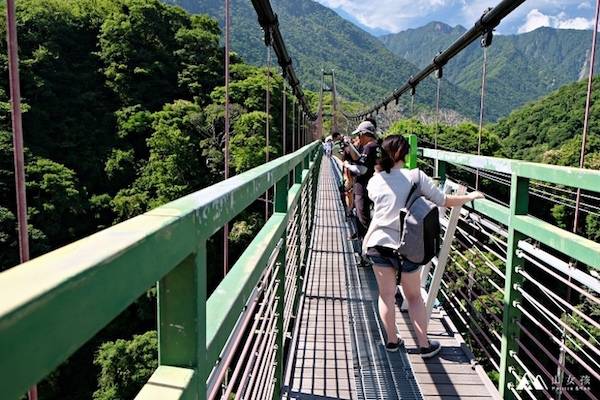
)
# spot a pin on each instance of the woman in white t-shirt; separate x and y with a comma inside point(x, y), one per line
point(388, 189)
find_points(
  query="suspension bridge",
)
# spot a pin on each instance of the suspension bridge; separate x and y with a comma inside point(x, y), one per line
point(295, 316)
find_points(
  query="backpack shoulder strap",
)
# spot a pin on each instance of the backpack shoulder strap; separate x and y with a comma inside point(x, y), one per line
point(415, 176)
point(413, 193)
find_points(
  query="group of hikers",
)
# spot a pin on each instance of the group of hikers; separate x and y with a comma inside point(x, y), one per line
point(378, 192)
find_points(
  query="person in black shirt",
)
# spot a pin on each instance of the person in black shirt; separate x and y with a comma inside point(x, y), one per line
point(363, 168)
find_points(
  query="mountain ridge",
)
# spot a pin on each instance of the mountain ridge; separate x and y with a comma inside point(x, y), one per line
point(521, 67)
point(318, 38)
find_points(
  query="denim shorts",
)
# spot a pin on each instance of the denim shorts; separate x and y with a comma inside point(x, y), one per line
point(385, 257)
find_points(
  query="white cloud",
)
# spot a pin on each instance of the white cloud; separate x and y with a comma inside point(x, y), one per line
point(398, 15)
point(576, 23)
point(586, 5)
point(392, 15)
point(536, 19)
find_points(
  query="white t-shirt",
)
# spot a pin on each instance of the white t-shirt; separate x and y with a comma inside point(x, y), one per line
point(389, 193)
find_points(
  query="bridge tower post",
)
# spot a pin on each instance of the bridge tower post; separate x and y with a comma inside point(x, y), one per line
point(519, 205)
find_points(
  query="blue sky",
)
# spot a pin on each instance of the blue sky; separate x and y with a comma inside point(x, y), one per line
point(383, 16)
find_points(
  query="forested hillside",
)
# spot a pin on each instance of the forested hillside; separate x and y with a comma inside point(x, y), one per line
point(318, 38)
point(549, 130)
point(521, 67)
point(123, 111)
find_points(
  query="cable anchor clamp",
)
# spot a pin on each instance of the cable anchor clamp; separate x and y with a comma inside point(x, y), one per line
point(439, 72)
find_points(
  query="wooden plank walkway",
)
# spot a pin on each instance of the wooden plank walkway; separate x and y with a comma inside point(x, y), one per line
point(338, 346)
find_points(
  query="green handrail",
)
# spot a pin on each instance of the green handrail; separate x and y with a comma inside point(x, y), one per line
point(521, 226)
point(52, 305)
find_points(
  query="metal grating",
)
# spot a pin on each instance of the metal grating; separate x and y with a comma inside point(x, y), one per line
point(322, 363)
point(378, 374)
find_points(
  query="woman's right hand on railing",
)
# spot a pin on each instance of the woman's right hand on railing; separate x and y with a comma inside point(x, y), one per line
point(459, 200)
point(476, 195)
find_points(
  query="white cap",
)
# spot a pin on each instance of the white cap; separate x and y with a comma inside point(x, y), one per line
point(365, 127)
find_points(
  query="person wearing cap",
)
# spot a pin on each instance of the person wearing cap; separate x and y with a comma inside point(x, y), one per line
point(365, 158)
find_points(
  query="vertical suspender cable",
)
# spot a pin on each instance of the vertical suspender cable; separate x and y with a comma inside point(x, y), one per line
point(301, 132)
point(437, 117)
point(481, 105)
point(267, 112)
point(334, 124)
point(300, 129)
point(305, 129)
point(17, 129)
point(486, 41)
point(437, 108)
point(226, 152)
point(308, 131)
point(298, 140)
point(293, 124)
point(586, 117)
point(284, 117)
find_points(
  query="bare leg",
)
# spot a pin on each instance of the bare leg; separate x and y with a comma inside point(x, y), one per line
point(386, 282)
point(411, 285)
point(348, 184)
point(350, 199)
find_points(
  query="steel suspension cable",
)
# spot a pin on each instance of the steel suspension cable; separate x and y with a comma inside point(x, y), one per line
point(588, 103)
point(481, 104)
point(18, 146)
point(489, 20)
point(543, 194)
point(284, 117)
point(268, 115)
point(293, 124)
point(301, 134)
point(437, 109)
point(227, 127)
point(439, 74)
point(556, 340)
point(269, 22)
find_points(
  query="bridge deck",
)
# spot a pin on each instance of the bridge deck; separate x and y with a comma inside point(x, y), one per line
point(338, 350)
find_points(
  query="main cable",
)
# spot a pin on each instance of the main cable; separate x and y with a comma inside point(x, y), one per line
point(488, 21)
point(270, 23)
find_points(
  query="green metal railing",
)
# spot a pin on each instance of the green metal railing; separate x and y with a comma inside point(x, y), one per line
point(53, 304)
point(525, 231)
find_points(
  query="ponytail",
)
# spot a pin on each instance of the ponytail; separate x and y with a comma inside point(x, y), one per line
point(384, 163)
